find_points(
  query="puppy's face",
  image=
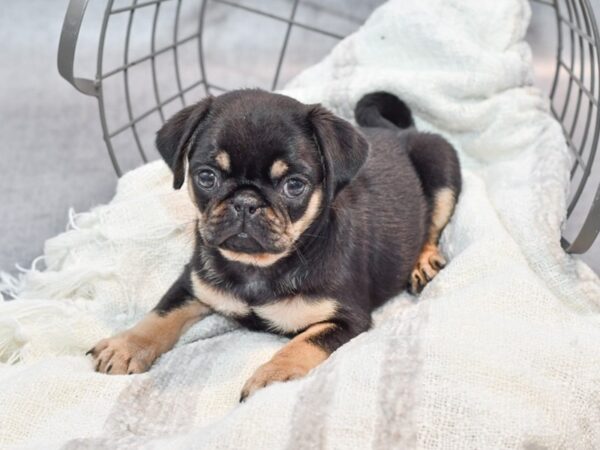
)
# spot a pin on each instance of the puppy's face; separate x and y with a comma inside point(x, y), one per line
point(256, 176)
point(256, 171)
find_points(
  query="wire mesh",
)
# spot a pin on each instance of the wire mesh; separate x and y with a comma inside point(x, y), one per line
point(192, 43)
point(574, 98)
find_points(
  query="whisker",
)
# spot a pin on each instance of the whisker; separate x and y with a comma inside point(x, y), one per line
point(299, 253)
point(312, 235)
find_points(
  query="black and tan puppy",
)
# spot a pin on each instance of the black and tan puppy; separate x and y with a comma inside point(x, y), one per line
point(305, 224)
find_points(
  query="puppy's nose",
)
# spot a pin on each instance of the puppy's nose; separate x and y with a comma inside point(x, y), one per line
point(247, 204)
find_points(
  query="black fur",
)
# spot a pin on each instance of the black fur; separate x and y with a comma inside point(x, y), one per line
point(383, 110)
point(178, 294)
point(173, 139)
point(378, 186)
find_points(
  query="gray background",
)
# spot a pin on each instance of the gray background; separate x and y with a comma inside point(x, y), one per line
point(52, 156)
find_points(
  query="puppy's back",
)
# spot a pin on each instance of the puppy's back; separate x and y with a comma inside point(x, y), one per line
point(388, 214)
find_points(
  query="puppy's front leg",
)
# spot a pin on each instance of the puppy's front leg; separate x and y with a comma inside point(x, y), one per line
point(304, 352)
point(134, 350)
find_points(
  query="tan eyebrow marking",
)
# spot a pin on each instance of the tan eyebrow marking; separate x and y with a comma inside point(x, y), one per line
point(223, 160)
point(279, 169)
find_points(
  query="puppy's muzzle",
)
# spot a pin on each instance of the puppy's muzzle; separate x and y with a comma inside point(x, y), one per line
point(246, 231)
point(246, 205)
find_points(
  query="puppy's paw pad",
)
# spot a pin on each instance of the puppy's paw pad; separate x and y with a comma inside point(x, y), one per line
point(271, 372)
point(125, 353)
point(428, 265)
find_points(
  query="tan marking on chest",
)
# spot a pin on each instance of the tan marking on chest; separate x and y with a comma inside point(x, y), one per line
point(218, 300)
point(296, 313)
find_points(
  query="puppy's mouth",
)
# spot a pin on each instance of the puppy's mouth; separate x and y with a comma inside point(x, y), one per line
point(242, 243)
point(249, 239)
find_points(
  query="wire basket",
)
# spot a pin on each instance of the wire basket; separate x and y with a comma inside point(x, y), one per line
point(156, 56)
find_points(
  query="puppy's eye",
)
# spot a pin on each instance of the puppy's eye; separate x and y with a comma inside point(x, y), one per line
point(294, 187)
point(206, 179)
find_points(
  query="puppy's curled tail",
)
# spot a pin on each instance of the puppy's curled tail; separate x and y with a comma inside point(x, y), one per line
point(383, 110)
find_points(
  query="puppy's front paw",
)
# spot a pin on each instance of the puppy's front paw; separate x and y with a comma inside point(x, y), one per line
point(428, 265)
point(274, 370)
point(125, 353)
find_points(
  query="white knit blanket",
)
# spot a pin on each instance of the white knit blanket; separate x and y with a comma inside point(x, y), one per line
point(501, 350)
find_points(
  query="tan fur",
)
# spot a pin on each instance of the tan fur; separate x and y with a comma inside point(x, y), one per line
point(443, 206)
point(279, 169)
point(273, 218)
point(293, 361)
point(431, 261)
point(199, 214)
point(296, 229)
point(223, 160)
point(218, 211)
point(254, 259)
point(190, 190)
point(134, 350)
point(292, 233)
point(296, 313)
point(218, 300)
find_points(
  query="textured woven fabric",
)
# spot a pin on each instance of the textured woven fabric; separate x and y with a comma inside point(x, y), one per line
point(500, 350)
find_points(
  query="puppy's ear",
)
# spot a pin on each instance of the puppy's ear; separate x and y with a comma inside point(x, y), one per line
point(343, 148)
point(174, 139)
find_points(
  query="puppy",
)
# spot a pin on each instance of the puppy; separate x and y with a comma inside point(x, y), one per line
point(305, 224)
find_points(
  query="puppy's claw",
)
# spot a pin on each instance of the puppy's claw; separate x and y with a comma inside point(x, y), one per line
point(415, 286)
point(437, 261)
point(126, 353)
point(271, 372)
point(429, 263)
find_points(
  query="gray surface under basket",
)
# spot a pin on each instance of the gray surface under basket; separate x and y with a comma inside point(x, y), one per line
point(52, 154)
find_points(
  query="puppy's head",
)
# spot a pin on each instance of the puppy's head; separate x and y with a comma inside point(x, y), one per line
point(262, 168)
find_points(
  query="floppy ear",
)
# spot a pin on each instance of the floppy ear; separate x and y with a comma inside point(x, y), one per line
point(342, 147)
point(174, 139)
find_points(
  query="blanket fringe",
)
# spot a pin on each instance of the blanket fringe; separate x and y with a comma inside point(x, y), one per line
point(37, 316)
point(56, 275)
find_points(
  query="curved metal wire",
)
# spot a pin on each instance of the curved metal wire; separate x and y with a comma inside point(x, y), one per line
point(153, 62)
point(286, 40)
point(577, 17)
point(100, 89)
point(580, 92)
point(201, 47)
point(136, 136)
point(176, 55)
point(576, 31)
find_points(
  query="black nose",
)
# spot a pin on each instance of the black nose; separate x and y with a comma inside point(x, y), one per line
point(247, 203)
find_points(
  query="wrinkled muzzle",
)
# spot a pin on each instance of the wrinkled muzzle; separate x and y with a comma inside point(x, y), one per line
point(246, 223)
